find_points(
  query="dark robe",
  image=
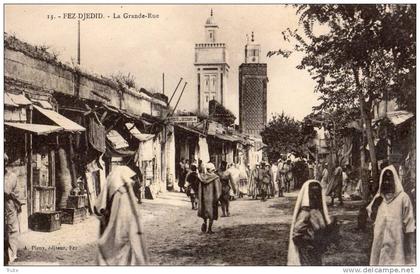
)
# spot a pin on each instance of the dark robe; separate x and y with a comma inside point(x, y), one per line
point(209, 192)
point(224, 177)
point(335, 185)
point(193, 179)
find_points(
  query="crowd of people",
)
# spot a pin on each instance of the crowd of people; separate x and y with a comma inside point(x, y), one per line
point(312, 228)
point(121, 236)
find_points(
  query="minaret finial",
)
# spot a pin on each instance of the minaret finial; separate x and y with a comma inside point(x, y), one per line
point(252, 37)
point(211, 12)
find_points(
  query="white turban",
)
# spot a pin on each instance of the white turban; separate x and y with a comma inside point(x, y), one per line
point(210, 166)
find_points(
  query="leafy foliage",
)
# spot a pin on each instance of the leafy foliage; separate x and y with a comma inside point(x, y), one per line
point(359, 54)
point(284, 134)
point(221, 114)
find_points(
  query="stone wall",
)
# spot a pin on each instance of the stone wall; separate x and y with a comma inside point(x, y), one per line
point(38, 74)
point(44, 75)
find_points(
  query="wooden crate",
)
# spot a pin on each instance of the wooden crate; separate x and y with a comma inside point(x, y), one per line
point(73, 215)
point(45, 221)
point(76, 201)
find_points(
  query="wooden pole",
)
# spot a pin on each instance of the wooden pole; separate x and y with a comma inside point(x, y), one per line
point(170, 100)
point(30, 186)
point(163, 83)
point(179, 98)
point(78, 42)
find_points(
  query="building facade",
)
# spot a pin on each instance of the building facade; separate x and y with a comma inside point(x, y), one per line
point(212, 68)
point(65, 130)
point(252, 91)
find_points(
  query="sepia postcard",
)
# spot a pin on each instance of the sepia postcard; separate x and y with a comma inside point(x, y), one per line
point(210, 135)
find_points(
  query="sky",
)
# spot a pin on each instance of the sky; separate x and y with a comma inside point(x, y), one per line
point(148, 47)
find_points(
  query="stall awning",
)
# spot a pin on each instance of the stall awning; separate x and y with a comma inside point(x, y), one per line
point(142, 137)
point(113, 152)
point(190, 130)
point(44, 104)
point(19, 99)
point(116, 139)
point(226, 137)
point(37, 129)
point(399, 117)
point(8, 101)
point(60, 120)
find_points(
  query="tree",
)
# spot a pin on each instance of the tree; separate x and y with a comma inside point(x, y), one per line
point(284, 134)
point(358, 54)
point(221, 114)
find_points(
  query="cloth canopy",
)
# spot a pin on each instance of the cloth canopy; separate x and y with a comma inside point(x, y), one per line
point(60, 120)
point(225, 137)
point(142, 137)
point(96, 134)
point(189, 129)
point(8, 101)
point(37, 129)
point(399, 117)
point(145, 151)
point(117, 141)
point(19, 99)
point(43, 104)
point(396, 117)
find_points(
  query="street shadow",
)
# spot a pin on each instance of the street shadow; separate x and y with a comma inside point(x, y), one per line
point(251, 244)
point(286, 205)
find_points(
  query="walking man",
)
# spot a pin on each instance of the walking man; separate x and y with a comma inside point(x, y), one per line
point(288, 177)
point(394, 230)
point(192, 187)
point(227, 187)
point(253, 183)
point(209, 193)
point(335, 186)
point(280, 176)
point(264, 180)
point(324, 177)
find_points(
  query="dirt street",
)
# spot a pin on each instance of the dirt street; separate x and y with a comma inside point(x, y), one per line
point(256, 233)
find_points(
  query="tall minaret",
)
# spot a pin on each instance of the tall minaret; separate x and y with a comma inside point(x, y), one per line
point(212, 67)
point(252, 90)
point(252, 51)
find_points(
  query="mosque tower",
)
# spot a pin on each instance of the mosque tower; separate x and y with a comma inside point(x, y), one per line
point(211, 66)
point(252, 90)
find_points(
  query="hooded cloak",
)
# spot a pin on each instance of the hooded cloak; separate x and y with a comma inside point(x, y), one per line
point(121, 241)
point(293, 256)
point(394, 219)
point(209, 192)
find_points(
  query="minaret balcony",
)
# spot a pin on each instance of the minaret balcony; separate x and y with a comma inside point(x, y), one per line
point(210, 45)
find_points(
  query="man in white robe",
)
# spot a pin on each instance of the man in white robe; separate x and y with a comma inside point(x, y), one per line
point(394, 228)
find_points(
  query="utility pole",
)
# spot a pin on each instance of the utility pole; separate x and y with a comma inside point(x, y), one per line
point(163, 83)
point(78, 42)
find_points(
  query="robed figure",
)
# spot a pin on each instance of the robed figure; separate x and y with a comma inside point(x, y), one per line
point(121, 240)
point(209, 193)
